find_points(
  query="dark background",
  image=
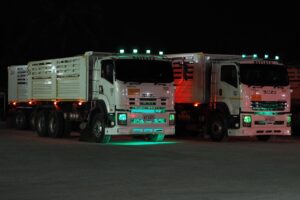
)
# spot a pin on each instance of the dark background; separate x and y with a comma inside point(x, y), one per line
point(35, 30)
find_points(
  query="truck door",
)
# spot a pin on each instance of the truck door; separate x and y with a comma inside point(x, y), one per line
point(106, 85)
point(227, 88)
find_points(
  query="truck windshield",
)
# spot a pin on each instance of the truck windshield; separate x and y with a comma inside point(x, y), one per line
point(263, 75)
point(149, 71)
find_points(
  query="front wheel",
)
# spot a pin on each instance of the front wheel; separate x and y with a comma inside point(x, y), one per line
point(98, 129)
point(217, 127)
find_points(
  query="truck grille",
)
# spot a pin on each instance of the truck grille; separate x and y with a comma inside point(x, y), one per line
point(268, 105)
point(148, 101)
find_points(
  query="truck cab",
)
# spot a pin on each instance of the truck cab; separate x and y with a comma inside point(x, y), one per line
point(231, 95)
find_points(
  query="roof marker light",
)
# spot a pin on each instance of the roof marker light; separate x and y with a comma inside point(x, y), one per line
point(244, 55)
point(148, 51)
point(255, 56)
point(122, 51)
point(266, 56)
point(161, 53)
point(135, 51)
point(276, 57)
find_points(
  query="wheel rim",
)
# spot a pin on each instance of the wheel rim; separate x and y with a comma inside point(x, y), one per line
point(97, 129)
point(217, 128)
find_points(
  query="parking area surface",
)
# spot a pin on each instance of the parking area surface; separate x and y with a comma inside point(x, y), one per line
point(32, 167)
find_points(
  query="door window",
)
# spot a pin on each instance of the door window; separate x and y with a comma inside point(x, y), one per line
point(229, 74)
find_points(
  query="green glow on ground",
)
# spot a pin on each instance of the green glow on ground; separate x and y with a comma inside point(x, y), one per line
point(139, 143)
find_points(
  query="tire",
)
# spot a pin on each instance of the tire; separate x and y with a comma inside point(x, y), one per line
point(217, 127)
point(56, 124)
point(21, 120)
point(263, 138)
point(98, 129)
point(156, 137)
point(32, 120)
point(42, 123)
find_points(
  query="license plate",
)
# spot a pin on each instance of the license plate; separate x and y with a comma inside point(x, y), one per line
point(148, 117)
point(270, 118)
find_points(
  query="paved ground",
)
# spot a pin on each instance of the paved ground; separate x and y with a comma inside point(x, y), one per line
point(238, 168)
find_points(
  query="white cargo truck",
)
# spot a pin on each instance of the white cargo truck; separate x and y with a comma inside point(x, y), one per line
point(231, 95)
point(106, 94)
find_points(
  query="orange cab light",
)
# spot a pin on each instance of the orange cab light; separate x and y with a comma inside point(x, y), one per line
point(80, 103)
point(14, 103)
point(30, 102)
point(55, 103)
point(256, 97)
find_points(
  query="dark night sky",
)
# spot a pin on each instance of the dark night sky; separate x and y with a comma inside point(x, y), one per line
point(34, 30)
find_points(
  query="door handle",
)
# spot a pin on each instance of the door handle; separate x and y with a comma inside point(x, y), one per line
point(100, 89)
point(220, 92)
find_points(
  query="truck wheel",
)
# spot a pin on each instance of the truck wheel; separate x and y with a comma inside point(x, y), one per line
point(41, 123)
point(217, 127)
point(21, 120)
point(32, 120)
point(157, 137)
point(56, 124)
point(98, 129)
point(263, 138)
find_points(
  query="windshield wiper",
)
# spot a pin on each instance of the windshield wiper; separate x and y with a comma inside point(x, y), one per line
point(159, 83)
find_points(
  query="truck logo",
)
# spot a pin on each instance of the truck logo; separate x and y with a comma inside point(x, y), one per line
point(147, 94)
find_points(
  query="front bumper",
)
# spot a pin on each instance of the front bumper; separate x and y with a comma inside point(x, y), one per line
point(138, 130)
point(263, 125)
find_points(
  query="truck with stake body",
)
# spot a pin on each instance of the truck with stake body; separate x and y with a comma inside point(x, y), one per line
point(105, 94)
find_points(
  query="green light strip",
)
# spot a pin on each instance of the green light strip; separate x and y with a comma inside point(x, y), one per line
point(142, 121)
point(266, 113)
point(140, 110)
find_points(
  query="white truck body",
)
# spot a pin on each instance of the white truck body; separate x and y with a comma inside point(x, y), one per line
point(59, 79)
point(101, 82)
point(213, 81)
point(18, 83)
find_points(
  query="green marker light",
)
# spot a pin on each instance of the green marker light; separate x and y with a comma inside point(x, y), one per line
point(247, 119)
